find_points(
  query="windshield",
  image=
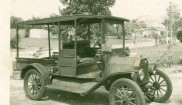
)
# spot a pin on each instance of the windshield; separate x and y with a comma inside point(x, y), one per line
point(114, 35)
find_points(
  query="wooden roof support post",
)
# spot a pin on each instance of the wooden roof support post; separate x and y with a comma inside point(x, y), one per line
point(59, 45)
point(59, 37)
point(49, 42)
point(17, 41)
point(102, 31)
point(88, 32)
point(75, 26)
point(123, 32)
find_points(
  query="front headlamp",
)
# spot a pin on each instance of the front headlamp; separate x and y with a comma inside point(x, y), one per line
point(141, 74)
point(154, 69)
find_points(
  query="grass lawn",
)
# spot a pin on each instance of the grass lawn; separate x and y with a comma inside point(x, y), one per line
point(155, 52)
point(35, 43)
point(152, 53)
point(31, 43)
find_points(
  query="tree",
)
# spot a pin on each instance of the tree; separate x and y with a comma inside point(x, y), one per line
point(155, 36)
point(14, 20)
point(54, 15)
point(178, 25)
point(135, 27)
point(54, 28)
point(171, 22)
point(36, 26)
point(92, 7)
point(179, 36)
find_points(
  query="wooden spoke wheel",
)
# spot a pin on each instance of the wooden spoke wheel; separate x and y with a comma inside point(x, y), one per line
point(34, 85)
point(161, 87)
point(126, 92)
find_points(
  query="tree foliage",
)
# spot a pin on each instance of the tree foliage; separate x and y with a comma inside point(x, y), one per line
point(54, 15)
point(92, 7)
point(14, 20)
point(178, 25)
point(135, 27)
point(36, 26)
point(179, 36)
point(172, 21)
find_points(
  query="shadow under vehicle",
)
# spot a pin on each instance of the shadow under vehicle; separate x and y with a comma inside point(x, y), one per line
point(92, 53)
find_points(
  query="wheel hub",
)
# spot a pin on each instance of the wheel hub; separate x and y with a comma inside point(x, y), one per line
point(33, 83)
point(156, 85)
point(125, 99)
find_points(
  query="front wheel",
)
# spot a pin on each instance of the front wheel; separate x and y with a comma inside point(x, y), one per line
point(126, 92)
point(34, 85)
point(161, 87)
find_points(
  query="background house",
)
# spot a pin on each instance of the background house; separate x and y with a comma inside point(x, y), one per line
point(151, 30)
point(158, 33)
point(38, 33)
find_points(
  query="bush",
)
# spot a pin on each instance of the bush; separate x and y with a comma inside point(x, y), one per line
point(179, 36)
point(13, 42)
point(38, 53)
point(166, 59)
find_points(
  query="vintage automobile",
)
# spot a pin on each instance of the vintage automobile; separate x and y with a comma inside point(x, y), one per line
point(92, 53)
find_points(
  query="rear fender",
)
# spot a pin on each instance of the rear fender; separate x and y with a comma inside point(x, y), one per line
point(40, 68)
point(109, 80)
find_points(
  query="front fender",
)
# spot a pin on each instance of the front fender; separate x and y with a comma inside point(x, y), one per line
point(109, 80)
point(40, 68)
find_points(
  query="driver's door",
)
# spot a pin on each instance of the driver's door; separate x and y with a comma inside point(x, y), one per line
point(67, 62)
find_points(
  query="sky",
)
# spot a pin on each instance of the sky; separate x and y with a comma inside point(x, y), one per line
point(151, 11)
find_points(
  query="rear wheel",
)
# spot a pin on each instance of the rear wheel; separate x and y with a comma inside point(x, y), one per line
point(34, 85)
point(161, 87)
point(126, 92)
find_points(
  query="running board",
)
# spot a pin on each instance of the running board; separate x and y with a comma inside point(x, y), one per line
point(75, 86)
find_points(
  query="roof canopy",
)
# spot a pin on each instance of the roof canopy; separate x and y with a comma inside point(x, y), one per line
point(83, 19)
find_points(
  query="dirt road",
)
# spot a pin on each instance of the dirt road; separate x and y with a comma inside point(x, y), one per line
point(56, 97)
point(175, 74)
point(99, 97)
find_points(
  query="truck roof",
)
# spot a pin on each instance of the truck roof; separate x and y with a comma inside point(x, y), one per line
point(64, 20)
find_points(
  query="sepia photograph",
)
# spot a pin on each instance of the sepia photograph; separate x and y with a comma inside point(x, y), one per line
point(93, 52)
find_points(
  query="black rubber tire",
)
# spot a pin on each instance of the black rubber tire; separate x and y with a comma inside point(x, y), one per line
point(140, 99)
point(168, 93)
point(39, 88)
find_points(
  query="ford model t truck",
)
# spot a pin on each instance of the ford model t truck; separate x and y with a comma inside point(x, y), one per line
point(92, 53)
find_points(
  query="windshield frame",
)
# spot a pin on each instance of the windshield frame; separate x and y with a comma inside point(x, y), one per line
point(104, 23)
